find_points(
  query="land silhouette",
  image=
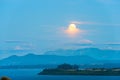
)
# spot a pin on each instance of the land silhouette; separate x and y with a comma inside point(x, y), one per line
point(67, 69)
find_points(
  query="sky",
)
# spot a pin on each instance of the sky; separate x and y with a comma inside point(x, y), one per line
point(41, 24)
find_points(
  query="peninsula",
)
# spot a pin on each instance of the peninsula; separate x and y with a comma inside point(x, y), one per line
point(67, 69)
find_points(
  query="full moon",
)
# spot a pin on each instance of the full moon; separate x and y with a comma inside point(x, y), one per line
point(72, 27)
point(72, 30)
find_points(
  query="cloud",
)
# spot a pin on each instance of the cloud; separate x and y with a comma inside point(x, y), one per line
point(81, 22)
point(113, 44)
point(79, 44)
point(23, 47)
point(20, 45)
point(107, 24)
point(18, 48)
point(93, 23)
point(86, 41)
point(83, 42)
point(14, 41)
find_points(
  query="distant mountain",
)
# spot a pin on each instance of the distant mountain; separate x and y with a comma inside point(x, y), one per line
point(6, 53)
point(32, 59)
point(80, 56)
point(101, 54)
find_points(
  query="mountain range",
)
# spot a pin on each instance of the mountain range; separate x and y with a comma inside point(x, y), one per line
point(101, 54)
point(80, 56)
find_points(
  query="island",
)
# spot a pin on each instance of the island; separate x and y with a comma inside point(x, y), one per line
point(67, 69)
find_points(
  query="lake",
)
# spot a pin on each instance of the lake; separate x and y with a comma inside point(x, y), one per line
point(31, 74)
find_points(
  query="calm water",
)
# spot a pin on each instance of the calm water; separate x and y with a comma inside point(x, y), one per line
point(27, 74)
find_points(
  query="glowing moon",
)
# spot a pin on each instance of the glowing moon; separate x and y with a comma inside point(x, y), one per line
point(72, 30)
point(72, 27)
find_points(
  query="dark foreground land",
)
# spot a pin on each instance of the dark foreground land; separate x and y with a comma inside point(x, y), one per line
point(66, 69)
point(79, 72)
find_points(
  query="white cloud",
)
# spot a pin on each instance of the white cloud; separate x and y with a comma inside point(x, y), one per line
point(23, 47)
point(81, 22)
point(19, 45)
point(86, 41)
point(83, 43)
point(93, 23)
point(18, 48)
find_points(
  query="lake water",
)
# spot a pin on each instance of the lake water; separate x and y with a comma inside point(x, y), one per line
point(31, 74)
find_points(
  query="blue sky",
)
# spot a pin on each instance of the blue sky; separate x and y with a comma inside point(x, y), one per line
point(38, 24)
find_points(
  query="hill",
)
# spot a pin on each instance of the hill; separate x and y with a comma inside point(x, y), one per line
point(32, 59)
point(101, 54)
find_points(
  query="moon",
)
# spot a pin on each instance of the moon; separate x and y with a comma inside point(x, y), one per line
point(72, 27)
point(72, 30)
